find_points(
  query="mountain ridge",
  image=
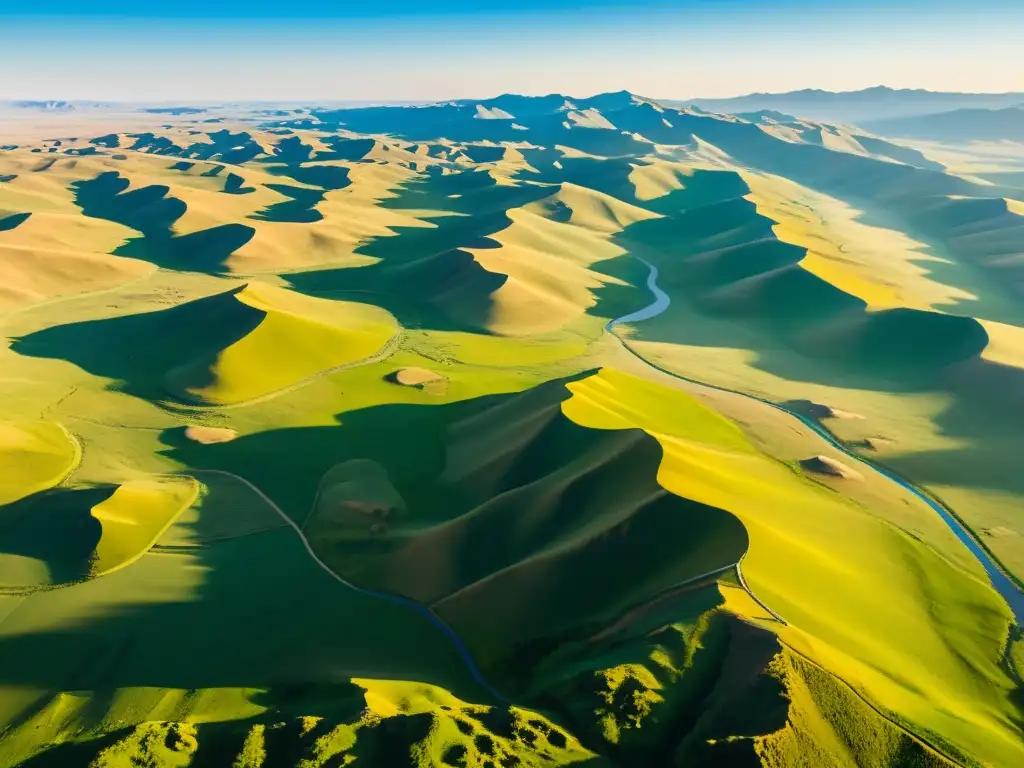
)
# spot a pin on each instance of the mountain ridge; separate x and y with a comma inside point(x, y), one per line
point(877, 102)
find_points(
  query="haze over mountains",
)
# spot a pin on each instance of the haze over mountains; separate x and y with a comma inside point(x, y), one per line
point(881, 108)
point(520, 431)
point(869, 104)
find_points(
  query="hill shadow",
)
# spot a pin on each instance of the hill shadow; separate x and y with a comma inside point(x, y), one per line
point(259, 601)
point(328, 177)
point(465, 518)
point(734, 285)
point(225, 146)
point(719, 259)
point(425, 275)
point(300, 209)
point(207, 250)
point(235, 184)
point(154, 145)
point(55, 527)
point(345, 149)
point(148, 210)
point(123, 348)
point(13, 221)
point(292, 150)
point(152, 212)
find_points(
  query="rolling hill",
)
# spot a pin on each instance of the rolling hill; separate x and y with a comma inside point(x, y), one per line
point(522, 431)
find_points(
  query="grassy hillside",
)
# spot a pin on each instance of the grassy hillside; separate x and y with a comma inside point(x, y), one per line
point(323, 443)
point(35, 456)
point(226, 348)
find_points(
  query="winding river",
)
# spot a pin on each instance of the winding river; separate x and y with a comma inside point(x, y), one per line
point(1010, 592)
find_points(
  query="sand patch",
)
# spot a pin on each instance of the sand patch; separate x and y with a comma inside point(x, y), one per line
point(420, 378)
point(823, 465)
point(210, 435)
point(876, 443)
point(819, 410)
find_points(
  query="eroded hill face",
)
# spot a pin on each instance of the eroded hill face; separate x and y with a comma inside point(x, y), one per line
point(524, 432)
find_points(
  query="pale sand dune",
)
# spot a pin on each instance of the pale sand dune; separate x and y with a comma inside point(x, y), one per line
point(385, 151)
point(505, 169)
point(53, 254)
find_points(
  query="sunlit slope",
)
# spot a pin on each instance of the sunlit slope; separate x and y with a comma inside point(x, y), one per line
point(35, 456)
point(985, 232)
point(690, 677)
point(967, 264)
point(69, 535)
point(206, 216)
point(458, 540)
point(31, 276)
point(230, 347)
point(511, 259)
point(883, 267)
point(107, 654)
point(134, 517)
point(793, 295)
point(48, 250)
point(726, 258)
point(379, 721)
point(546, 254)
point(296, 338)
point(434, 402)
point(821, 563)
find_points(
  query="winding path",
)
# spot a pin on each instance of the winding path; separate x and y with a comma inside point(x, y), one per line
point(1013, 595)
point(1010, 592)
point(433, 618)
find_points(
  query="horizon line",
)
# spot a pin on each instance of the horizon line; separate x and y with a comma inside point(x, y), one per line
point(400, 101)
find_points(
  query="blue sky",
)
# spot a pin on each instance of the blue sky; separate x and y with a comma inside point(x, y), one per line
point(401, 49)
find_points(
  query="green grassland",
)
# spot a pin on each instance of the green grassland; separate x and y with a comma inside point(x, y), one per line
point(316, 447)
point(35, 456)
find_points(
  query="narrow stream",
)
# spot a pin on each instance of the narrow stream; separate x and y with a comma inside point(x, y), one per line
point(1010, 592)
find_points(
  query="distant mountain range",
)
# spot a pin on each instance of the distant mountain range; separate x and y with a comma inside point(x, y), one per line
point(51, 105)
point(906, 113)
point(957, 126)
point(855, 106)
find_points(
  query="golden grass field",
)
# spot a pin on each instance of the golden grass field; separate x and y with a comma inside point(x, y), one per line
point(320, 443)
